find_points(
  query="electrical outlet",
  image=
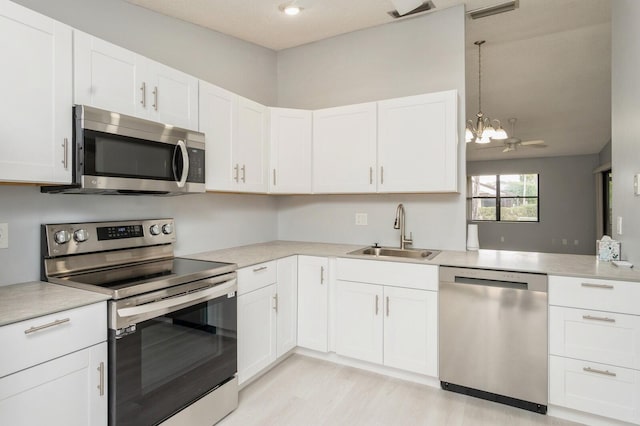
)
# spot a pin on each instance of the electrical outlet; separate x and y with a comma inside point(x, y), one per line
point(4, 235)
point(619, 225)
point(361, 219)
point(501, 239)
point(576, 242)
point(564, 241)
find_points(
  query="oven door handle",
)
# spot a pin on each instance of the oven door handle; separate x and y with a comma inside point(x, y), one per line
point(178, 302)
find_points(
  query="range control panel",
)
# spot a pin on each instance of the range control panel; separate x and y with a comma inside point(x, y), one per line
point(75, 238)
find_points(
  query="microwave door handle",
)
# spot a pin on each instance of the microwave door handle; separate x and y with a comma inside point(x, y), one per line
point(185, 164)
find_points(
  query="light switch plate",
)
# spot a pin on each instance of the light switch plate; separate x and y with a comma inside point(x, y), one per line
point(4, 235)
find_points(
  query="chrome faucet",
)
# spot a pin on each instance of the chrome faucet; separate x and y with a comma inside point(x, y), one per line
point(399, 224)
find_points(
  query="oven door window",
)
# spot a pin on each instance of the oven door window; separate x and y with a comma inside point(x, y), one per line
point(171, 361)
point(125, 157)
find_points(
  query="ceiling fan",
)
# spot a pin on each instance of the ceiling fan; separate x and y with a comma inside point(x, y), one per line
point(513, 143)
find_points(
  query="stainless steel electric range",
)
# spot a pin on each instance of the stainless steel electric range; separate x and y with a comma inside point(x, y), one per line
point(172, 321)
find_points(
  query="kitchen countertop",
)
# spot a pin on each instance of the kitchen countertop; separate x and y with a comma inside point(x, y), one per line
point(586, 266)
point(24, 301)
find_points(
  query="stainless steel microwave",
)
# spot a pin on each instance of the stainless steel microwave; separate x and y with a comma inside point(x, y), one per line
point(118, 154)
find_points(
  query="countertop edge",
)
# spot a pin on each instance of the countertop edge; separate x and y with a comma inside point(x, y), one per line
point(556, 264)
point(26, 301)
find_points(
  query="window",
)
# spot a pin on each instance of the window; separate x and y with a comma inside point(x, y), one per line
point(504, 198)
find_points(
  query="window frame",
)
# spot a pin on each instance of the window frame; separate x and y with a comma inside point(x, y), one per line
point(499, 198)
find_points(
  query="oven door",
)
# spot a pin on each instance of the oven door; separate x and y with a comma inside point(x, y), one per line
point(163, 364)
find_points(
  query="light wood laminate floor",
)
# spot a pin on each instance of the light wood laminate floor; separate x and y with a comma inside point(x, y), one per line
point(305, 391)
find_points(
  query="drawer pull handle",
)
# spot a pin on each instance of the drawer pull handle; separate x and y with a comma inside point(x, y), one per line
point(591, 317)
point(101, 384)
point(377, 305)
point(262, 268)
point(608, 286)
point(321, 275)
point(594, 370)
point(43, 326)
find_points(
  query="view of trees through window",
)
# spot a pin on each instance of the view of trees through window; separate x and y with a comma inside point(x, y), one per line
point(505, 198)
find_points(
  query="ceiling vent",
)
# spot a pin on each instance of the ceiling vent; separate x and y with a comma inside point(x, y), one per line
point(424, 7)
point(483, 12)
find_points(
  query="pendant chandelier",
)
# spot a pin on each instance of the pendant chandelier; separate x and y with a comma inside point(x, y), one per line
point(483, 131)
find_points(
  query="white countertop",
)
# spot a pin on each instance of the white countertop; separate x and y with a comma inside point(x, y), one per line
point(549, 263)
point(24, 301)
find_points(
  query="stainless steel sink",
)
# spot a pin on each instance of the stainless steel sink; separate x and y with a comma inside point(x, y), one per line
point(396, 252)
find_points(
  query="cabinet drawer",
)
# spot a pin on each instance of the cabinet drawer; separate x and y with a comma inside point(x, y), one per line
point(595, 388)
point(33, 341)
point(257, 276)
point(605, 337)
point(599, 295)
point(395, 274)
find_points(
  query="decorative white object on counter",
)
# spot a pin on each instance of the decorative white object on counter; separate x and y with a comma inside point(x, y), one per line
point(472, 237)
point(608, 249)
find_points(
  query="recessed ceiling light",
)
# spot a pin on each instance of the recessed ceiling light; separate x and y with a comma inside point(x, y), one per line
point(290, 9)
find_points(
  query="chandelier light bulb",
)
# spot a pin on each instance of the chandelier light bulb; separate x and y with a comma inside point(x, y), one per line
point(468, 136)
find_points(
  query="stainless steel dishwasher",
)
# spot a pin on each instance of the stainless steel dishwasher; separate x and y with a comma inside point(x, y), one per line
point(493, 335)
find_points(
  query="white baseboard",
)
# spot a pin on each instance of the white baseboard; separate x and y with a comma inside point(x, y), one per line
point(374, 368)
point(582, 417)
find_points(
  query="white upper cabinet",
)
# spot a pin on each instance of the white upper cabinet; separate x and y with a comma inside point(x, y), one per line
point(115, 79)
point(290, 147)
point(108, 76)
point(36, 97)
point(417, 143)
point(344, 149)
point(250, 147)
point(235, 130)
point(218, 111)
point(173, 97)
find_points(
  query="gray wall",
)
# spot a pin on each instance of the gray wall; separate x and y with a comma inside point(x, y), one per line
point(605, 154)
point(243, 68)
point(567, 206)
point(413, 56)
point(625, 131)
point(203, 222)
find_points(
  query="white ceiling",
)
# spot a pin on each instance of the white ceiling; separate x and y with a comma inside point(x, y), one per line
point(548, 63)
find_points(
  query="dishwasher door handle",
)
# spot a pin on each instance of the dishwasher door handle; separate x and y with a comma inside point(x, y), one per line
point(491, 283)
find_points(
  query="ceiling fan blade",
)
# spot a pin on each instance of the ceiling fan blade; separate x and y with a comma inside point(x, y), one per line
point(533, 142)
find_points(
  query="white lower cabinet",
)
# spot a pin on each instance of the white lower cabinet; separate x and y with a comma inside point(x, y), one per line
point(67, 391)
point(287, 305)
point(54, 369)
point(411, 330)
point(381, 321)
point(595, 388)
point(393, 326)
point(266, 314)
point(359, 321)
point(256, 331)
point(313, 303)
point(594, 347)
